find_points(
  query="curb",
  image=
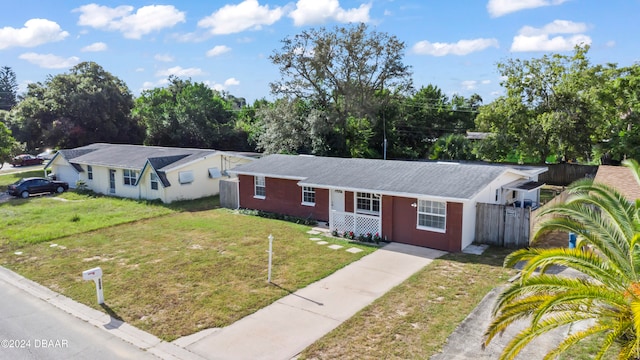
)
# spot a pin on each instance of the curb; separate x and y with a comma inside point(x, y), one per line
point(99, 319)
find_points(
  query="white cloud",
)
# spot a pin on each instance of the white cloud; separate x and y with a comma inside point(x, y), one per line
point(35, 32)
point(538, 39)
point(98, 46)
point(147, 85)
point(218, 50)
point(231, 82)
point(180, 72)
point(486, 82)
point(469, 84)
point(610, 43)
point(248, 15)
point(462, 47)
point(311, 12)
point(133, 25)
point(140, 69)
point(163, 57)
point(50, 61)
point(497, 8)
point(224, 86)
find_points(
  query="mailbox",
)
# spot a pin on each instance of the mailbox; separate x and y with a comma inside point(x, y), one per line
point(92, 274)
point(95, 274)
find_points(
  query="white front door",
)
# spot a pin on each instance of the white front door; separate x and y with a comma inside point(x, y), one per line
point(337, 200)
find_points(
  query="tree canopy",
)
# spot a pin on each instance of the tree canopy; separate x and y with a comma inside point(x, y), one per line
point(8, 88)
point(346, 75)
point(188, 114)
point(80, 107)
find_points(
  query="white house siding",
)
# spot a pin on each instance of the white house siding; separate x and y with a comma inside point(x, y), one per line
point(64, 171)
point(202, 184)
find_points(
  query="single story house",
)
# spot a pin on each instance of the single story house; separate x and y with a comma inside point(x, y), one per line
point(146, 172)
point(430, 204)
point(620, 178)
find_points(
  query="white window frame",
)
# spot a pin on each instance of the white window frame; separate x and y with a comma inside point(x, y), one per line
point(153, 180)
point(130, 176)
point(369, 198)
point(308, 193)
point(259, 187)
point(426, 207)
point(89, 172)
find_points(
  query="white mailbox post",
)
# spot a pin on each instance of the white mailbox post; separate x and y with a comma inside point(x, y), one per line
point(95, 274)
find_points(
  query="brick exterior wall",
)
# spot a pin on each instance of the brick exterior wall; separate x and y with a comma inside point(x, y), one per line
point(283, 197)
point(399, 223)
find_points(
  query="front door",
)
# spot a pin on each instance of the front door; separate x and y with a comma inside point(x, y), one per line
point(112, 181)
point(337, 200)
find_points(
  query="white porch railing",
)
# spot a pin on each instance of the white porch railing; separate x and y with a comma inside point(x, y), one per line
point(358, 223)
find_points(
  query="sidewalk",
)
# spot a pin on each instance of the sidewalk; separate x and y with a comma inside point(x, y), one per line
point(285, 328)
point(279, 331)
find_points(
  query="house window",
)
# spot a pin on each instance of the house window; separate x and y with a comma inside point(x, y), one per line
point(368, 203)
point(308, 195)
point(129, 177)
point(89, 172)
point(432, 214)
point(153, 180)
point(260, 188)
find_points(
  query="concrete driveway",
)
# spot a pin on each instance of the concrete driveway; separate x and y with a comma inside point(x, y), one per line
point(465, 343)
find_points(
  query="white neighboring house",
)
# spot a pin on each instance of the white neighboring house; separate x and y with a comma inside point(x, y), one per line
point(146, 172)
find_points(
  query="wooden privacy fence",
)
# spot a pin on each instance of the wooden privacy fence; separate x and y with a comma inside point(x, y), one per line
point(503, 225)
point(229, 193)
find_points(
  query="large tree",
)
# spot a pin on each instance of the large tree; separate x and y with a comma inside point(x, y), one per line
point(606, 300)
point(346, 74)
point(80, 107)
point(8, 88)
point(188, 114)
point(547, 109)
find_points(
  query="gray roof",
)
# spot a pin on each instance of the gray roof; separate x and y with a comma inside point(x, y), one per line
point(133, 156)
point(417, 178)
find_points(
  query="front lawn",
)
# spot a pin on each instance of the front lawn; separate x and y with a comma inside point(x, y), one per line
point(182, 269)
point(47, 217)
point(414, 319)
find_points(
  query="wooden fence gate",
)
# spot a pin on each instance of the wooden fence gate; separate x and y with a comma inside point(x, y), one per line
point(502, 225)
point(229, 193)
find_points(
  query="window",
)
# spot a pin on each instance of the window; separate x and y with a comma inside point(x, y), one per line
point(129, 177)
point(368, 203)
point(89, 172)
point(432, 214)
point(185, 177)
point(260, 188)
point(153, 180)
point(308, 195)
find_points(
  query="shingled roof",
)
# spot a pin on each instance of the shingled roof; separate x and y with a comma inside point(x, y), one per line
point(621, 178)
point(411, 178)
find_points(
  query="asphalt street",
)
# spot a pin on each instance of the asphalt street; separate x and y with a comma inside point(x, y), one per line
point(31, 328)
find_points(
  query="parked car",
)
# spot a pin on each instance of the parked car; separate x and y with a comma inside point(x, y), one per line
point(36, 185)
point(47, 154)
point(25, 160)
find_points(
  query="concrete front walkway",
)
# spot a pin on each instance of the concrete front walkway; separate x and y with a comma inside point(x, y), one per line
point(285, 328)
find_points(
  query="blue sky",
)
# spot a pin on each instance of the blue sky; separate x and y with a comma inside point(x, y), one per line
point(452, 44)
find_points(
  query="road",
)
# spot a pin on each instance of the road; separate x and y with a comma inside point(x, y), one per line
point(31, 328)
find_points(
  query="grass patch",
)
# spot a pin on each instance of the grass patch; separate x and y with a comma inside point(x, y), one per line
point(176, 274)
point(414, 319)
point(43, 218)
point(588, 348)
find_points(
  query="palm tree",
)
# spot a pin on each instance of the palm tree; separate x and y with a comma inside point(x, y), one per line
point(606, 299)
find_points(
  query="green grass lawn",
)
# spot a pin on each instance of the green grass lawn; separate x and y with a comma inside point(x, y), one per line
point(414, 319)
point(170, 270)
point(47, 217)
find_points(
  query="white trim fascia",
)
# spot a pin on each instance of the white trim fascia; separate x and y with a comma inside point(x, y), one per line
point(248, 173)
point(387, 193)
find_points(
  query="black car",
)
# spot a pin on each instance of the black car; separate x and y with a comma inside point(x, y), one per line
point(36, 185)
